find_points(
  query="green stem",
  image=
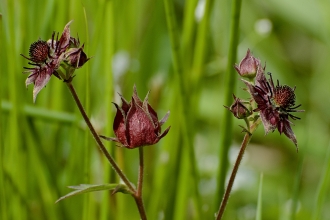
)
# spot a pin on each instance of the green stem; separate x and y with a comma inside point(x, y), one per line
point(296, 189)
point(229, 85)
point(87, 150)
point(175, 45)
point(246, 140)
point(184, 112)
point(98, 140)
point(201, 45)
point(138, 194)
point(323, 188)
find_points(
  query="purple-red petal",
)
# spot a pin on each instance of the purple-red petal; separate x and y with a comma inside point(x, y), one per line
point(119, 126)
point(140, 127)
point(64, 41)
point(41, 81)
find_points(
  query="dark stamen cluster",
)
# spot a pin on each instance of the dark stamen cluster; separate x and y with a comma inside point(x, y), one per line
point(39, 51)
point(284, 96)
point(280, 98)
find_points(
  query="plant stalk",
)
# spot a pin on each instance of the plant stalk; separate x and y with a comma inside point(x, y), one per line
point(138, 194)
point(98, 140)
point(245, 142)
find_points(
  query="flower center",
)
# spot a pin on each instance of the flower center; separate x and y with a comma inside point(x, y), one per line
point(39, 51)
point(284, 96)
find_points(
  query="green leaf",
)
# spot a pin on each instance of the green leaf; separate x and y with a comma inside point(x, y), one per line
point(86, 188)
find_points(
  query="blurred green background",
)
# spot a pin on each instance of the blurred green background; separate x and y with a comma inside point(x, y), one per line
point(45, 147)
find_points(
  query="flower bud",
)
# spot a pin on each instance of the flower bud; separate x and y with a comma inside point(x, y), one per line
point(76, 57)
point(74, 42)
point(136, 123)
point(238, 109)
point(248, 66)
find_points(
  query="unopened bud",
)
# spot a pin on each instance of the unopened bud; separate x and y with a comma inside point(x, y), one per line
point(238, 109)
point(76, 57)
point(248, 66)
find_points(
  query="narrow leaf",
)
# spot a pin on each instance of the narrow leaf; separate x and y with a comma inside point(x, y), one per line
point(86, 188)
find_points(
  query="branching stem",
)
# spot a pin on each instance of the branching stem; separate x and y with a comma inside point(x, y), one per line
point(136, 193)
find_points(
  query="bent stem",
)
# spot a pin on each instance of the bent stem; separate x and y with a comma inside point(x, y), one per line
point(97, 138)
point(245, 142)
point(138, 194)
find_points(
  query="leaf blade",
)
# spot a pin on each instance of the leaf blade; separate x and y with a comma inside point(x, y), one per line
point(86, 188)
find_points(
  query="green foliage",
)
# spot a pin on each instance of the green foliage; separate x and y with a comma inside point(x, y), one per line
point(86, 188)
point(46, 146)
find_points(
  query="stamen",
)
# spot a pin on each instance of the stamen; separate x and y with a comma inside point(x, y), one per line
point(269, 100)
point(295, 110)
point(57, 43)
point(35, 64)
point(270, 89)
point(294, 107)
point(257, 93)
point(294, 117)
point(53, 35)
point(261, 90)
point(271, 80)
point(26, 57)
point(28, 68)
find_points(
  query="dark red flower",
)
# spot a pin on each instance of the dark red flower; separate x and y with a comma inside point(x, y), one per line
point(275, 103)
point(46, 57)
point(136, 123)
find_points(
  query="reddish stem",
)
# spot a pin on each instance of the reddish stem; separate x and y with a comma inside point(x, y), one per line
point(98, 140)
point(245, 142)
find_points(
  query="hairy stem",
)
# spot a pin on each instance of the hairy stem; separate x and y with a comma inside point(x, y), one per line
point(141, 168)
point(138, 194)
point(98, 140)
point(245, 142)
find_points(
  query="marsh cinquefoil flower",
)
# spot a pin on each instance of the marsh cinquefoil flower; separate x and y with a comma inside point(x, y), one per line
point(275, 103)
point(47, 56)
point(136, 123)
